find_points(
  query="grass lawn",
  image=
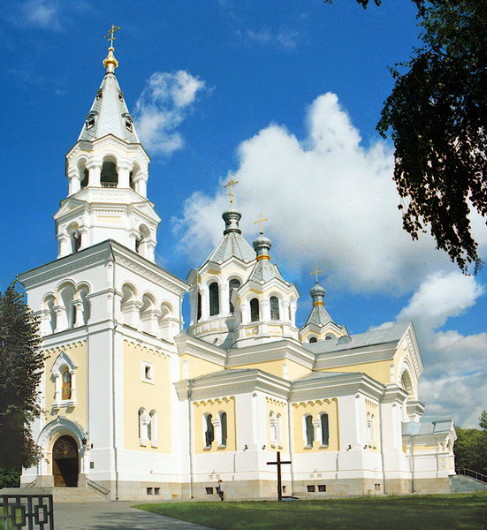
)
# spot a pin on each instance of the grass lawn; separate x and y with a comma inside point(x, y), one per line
point(427, 512)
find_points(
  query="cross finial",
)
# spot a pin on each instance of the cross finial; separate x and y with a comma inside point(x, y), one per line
point(260, 221)
point(111, 32)
point(230, 185)
point(315, 273)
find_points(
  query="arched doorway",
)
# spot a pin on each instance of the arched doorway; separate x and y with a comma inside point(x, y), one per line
point(65, 462)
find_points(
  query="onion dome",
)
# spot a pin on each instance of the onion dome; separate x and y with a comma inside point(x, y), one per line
point(317, 293)
point(232, 219)
point(262, 246)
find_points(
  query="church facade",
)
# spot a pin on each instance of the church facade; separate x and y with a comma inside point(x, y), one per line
point(134, 406)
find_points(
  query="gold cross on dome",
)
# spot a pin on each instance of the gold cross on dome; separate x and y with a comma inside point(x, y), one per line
point(230, 185)
point(260, 221)
point(315, 273)
point(111, 33)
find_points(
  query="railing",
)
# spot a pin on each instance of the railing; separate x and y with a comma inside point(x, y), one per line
point(471, 473)
point(108, 184)
point(26, 511)
point(97, 487)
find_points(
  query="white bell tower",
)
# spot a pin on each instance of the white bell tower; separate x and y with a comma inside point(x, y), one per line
point(107, 170)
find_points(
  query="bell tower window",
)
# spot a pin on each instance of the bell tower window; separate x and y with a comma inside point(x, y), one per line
point(198, 307)
point(274, 308)
point(254, 310)
point(214, 299)
point(109, 174)
point(90, 120)
point(234, 286)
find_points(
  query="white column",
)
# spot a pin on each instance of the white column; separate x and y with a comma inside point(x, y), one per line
point(140, 181)
point(285, 311)
point(94, 175)
point(61, 318)
point(224, 299)
point(124, 168)
point(265, 309)
point(131, 313)
point(79, 318)
point(74, 181)
point(205, 301)
point(149, 320)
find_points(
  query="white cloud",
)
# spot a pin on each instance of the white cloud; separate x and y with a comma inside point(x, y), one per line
point(285, 38)
point(455, 370)
point(42, 13)
point(162, 107)
point(331, 201)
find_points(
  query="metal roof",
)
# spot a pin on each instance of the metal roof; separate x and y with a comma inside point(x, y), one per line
point(232, 245)
point(110, 114)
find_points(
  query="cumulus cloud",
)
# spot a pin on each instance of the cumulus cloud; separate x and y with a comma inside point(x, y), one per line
point(162, 107)
point(455, 371)
point(42, 13)
point(331, 201)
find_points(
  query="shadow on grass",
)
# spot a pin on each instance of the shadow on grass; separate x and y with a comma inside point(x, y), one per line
point(408, 513)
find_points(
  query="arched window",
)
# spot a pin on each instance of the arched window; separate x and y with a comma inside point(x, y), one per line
point(254, 310)
point(109, 175)
point(274, 308)
point(214, 299)
point(233, 285)
point(273, 427)
point(279, 428)
point(65, 383)
point(310, 432)
point(223, 422)
point(313, 339)
point(198, 307)
point(325, 430)
point(210, 431)
point(144, 423)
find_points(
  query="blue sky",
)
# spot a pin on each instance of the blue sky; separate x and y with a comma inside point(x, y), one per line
point(281, 95)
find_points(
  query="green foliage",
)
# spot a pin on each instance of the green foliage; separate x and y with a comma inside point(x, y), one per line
point(374, 513)
point(437, 115)
point(21, 365)
point(471, 447)
point(10, 477)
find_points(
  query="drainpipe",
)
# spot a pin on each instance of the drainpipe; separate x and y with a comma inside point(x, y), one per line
point(114, 435)
point(190, 444)
point(382, 451)
point(412, 463)
point(290, 442)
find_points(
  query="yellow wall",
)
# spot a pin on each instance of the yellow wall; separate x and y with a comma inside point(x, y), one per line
point(277, 407)
point(214, 407)
point(315, 408)
point(78, 353)
point(380, 370)
point(198, 367)
point(150, 396)
point(295, 370)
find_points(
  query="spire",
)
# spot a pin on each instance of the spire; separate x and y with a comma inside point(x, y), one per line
point(109, 113)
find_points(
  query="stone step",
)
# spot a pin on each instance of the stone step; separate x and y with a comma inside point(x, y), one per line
point(465, 484)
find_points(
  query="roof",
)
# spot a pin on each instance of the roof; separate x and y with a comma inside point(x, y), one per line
point(235, 245)
point(393, 333)
point(265, 271)
point(319, 316)
point(427, 427)
point(111, 113)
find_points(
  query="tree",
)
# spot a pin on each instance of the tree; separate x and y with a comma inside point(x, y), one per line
point(437, 118)
point(437, 115)
point(471, 447)
point(21, 365)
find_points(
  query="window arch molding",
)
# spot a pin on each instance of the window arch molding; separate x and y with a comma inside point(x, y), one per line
point(61, 365)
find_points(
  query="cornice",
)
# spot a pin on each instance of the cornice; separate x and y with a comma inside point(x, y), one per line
point(271, 351)
point(362, 355)
point(186, 344)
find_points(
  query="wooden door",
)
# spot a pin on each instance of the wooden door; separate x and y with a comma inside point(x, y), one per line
point(65, 462)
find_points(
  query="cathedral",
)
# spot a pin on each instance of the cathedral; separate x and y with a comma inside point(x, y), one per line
point(137, 406)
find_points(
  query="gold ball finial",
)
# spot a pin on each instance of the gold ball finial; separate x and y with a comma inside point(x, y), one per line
point(110, 60)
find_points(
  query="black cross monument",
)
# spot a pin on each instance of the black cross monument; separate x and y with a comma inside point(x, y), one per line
point(279, 463)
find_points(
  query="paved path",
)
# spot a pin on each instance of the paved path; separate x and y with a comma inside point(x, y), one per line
point(120, 515)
